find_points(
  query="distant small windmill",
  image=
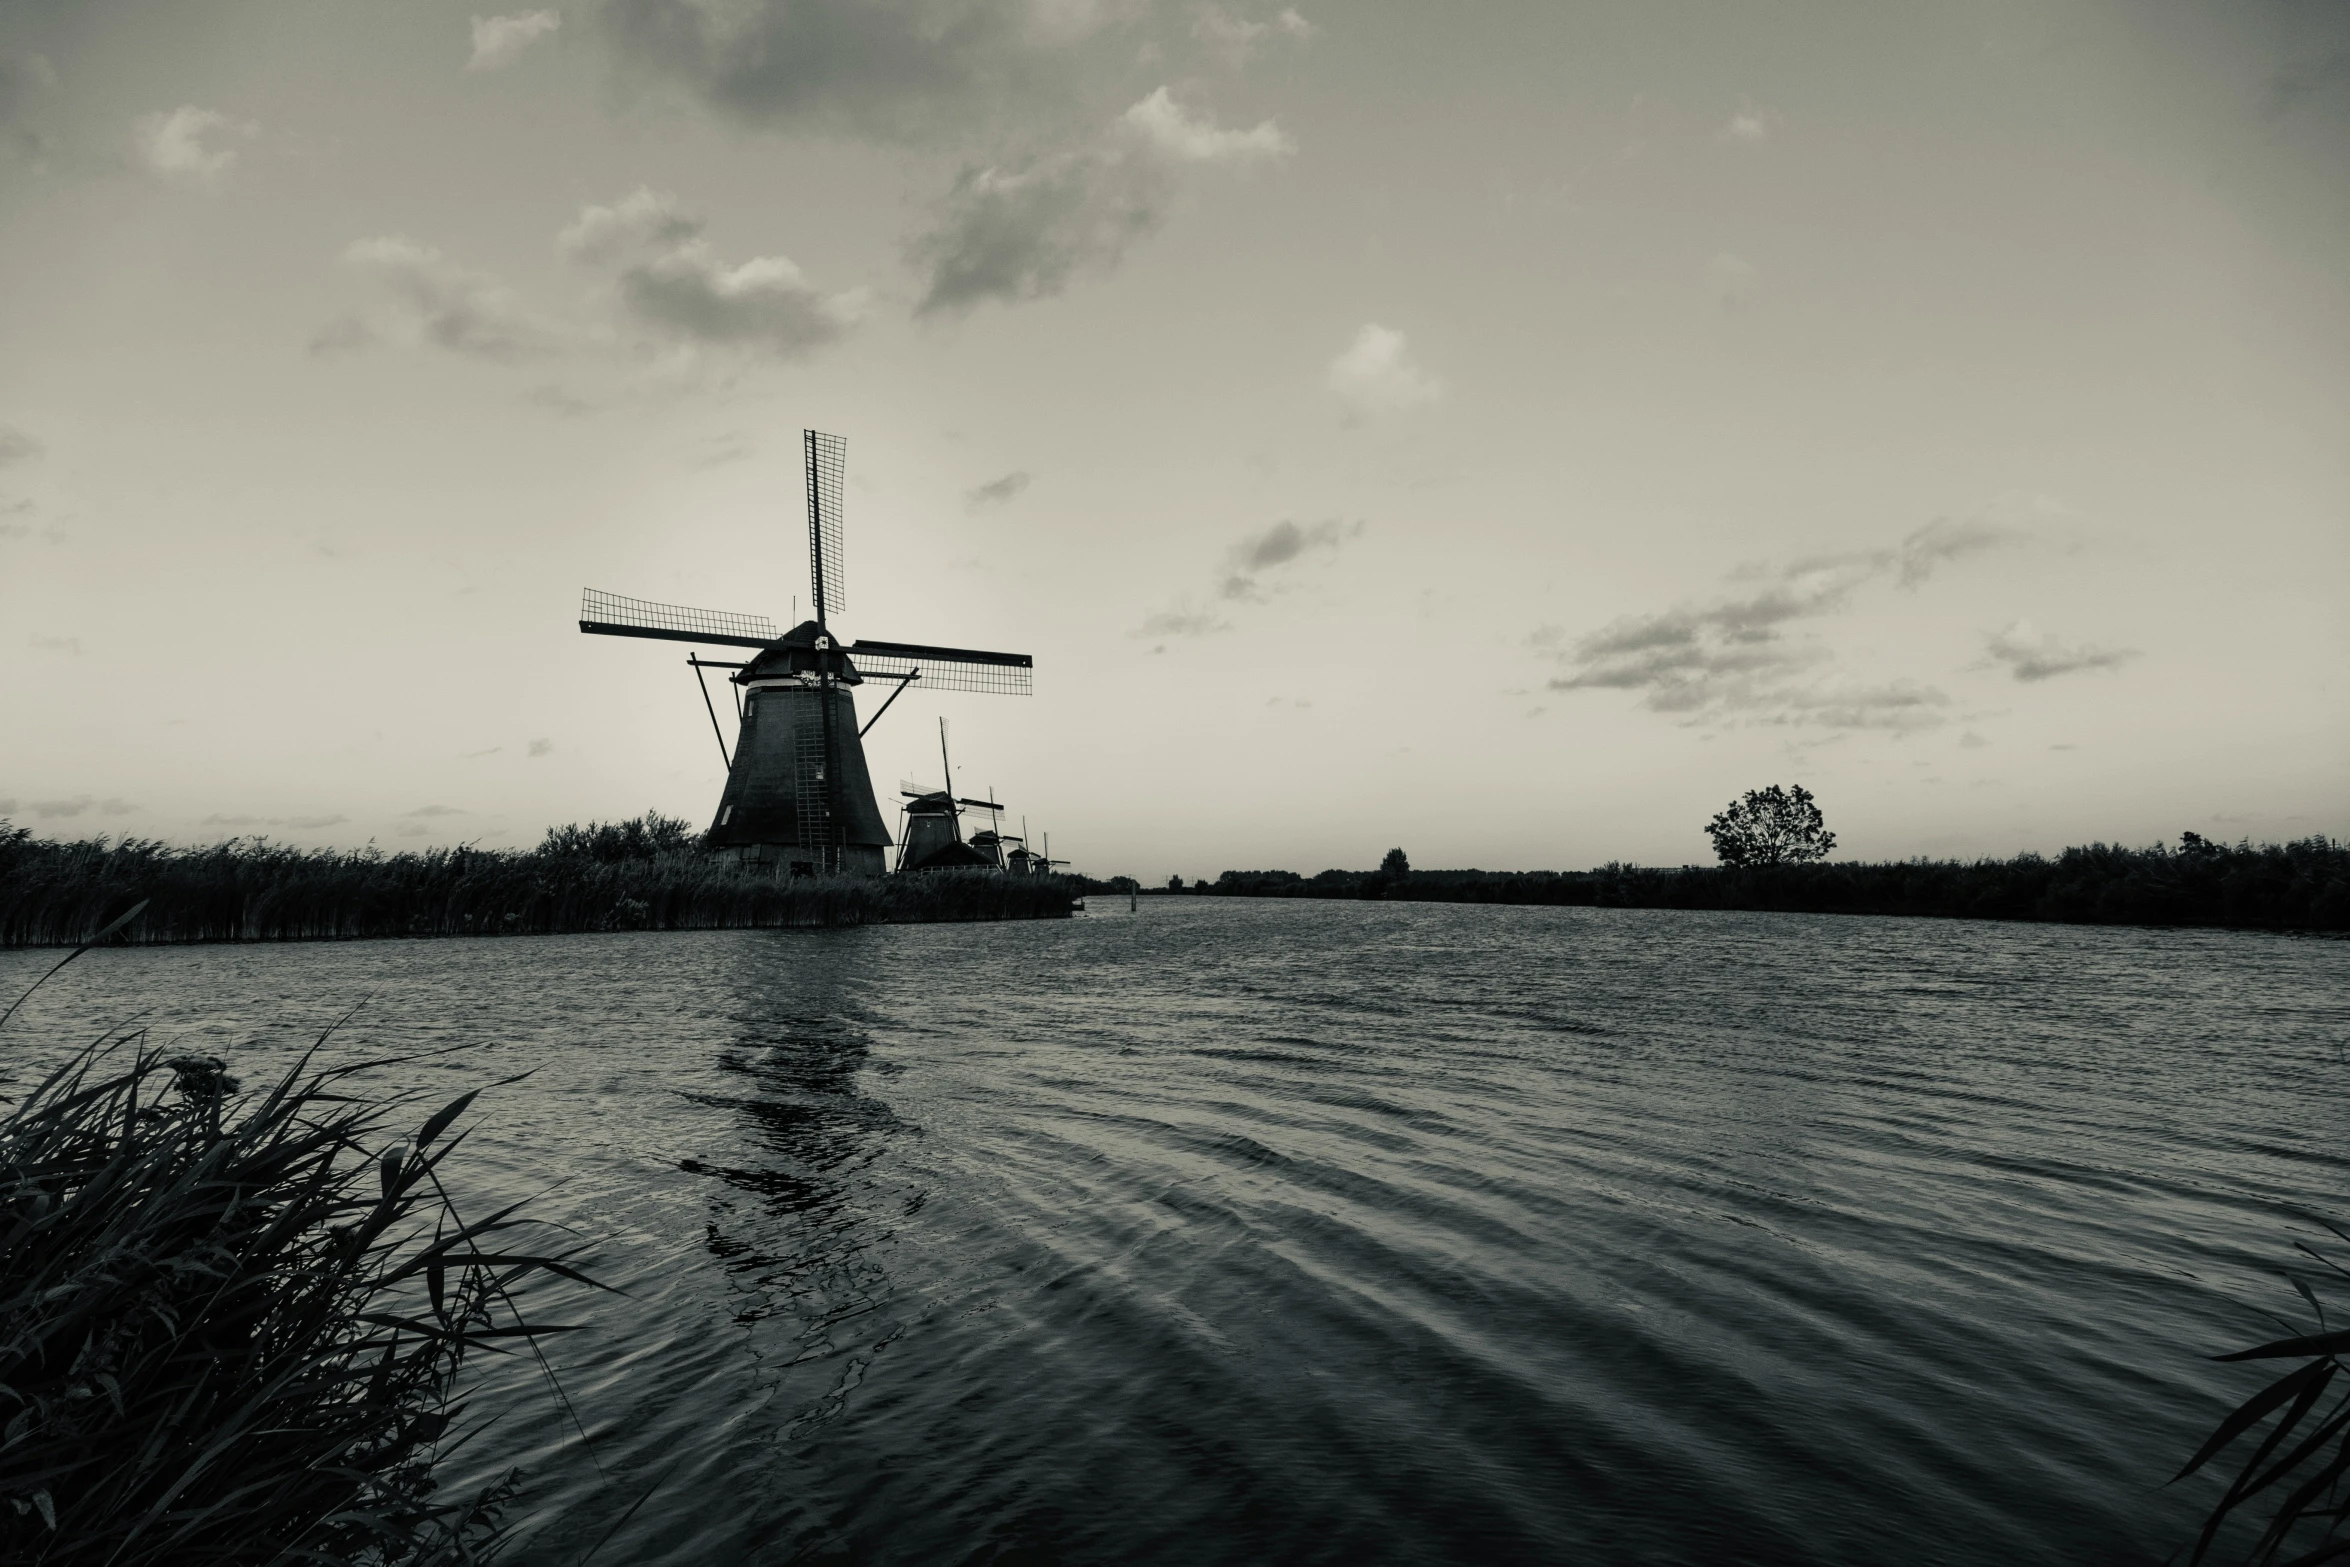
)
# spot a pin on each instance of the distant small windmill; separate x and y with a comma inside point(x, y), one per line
point(798, 795)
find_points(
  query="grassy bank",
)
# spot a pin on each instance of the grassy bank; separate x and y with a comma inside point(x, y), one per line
point(641, 875)
point(2294, 886)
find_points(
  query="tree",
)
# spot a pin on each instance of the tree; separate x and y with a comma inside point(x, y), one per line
point(1395, 864)
point(1771, 826)
point(1175, 884)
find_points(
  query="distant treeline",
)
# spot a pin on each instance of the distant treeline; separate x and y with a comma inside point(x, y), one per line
point(646, 874)
point(2293, 886)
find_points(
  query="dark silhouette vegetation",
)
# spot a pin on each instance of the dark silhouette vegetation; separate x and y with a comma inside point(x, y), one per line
point(231, 1326)
point(1771, 826)
point(645, 874)
point(2291, 1444)
point(2303, 885)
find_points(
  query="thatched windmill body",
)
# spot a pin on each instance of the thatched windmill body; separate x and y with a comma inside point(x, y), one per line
point(798, 796)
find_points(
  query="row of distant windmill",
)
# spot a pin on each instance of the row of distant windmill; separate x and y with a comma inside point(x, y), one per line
point(798, 797)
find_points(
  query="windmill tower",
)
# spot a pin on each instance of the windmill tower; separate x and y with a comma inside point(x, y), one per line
point(798, 797)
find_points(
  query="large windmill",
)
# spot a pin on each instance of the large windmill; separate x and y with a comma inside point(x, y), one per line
point(798, 796)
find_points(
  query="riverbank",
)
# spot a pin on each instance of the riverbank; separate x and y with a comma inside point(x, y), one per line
point(2303, 885)
point(598, 878)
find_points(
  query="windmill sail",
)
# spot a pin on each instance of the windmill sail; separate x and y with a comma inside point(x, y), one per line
point(948, 668)
point(828, 457)
point(611, 615)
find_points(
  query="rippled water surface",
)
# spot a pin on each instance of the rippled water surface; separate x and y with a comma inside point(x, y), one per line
point(1329, 1232)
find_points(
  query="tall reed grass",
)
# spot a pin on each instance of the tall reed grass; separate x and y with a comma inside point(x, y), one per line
point(2293, 1484)
point(643, 875)
point(231, 1326)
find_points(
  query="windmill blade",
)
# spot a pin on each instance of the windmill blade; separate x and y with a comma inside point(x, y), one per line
point(828, 457)
point(978, 805)
point(611, 615)
point(948, 668)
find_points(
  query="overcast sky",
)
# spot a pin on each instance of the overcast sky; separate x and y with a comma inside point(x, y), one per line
point(1506, 431)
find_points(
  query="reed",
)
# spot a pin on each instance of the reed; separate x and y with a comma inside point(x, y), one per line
point(231, 1326)
point(642, 875)
point(2293, 1485)
point(2304, 885)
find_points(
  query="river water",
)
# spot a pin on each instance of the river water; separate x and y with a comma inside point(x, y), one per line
point(1254, 1232)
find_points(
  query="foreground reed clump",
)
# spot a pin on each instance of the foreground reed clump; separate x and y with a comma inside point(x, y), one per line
point(645, 874)
point(230, 1327)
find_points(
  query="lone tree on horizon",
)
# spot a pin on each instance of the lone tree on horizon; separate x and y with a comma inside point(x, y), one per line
point(1771, 826)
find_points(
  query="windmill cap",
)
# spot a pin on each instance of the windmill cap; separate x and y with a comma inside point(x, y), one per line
point(795, 653)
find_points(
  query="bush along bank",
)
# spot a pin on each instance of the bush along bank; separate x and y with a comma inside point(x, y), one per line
point(641, 875)
point(2303, 885)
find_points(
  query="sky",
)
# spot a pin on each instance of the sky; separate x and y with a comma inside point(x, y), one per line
point(1508, 432)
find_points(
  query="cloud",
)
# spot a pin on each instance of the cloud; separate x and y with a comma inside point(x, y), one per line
point(499, 40)
point(1237, 38)
point(765, 302)
point(995, 492)
point(16, 447)
point(80, 805)
point(558, 401)
point(1734, 280)
point(1196, 138)
point(181, 144)
point(1377, 374)
point(72, 645)
point(671, 280)
point(24, 76)
point(1251, 572)
point(346, 334)
point(2032, 656)
point(434, 810)
point(1747, 126)
point(542, 748)
point(1739, 656)
point(458, 309)
point(641, 218)
point(1022, 231)
point(897, 70)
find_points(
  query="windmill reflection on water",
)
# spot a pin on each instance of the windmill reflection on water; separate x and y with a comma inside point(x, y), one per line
point(798, 796)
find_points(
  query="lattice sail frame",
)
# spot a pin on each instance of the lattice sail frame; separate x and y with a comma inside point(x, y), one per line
point(828, 460)
point(613, 612)
point(1001, 674)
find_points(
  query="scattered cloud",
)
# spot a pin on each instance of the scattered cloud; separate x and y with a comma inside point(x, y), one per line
point(641, 218)
point(542, 748)
point(1022, 231)
point(185, 145)
point(765, 302)
point(499, 40)
point(434, 810)
point(1247, 562)
point(557, 401)
point(894, 70)
point(16, 447)
point(346, 334)
point(72, 645)
point(1196, 138)
point(1237, 38)
point(1972, 741)
point(1377, 374)
point(472, 756)
point(24, 77)
point(1252, 571)
point(995, 492)
point(464, 311)
point(80, 805)
point(1742, 656)
point(2031, 655)
point(1747, 126)
point(672, 281)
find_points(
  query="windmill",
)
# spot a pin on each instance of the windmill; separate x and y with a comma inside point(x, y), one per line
point(798, 796)
point(934, 824)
